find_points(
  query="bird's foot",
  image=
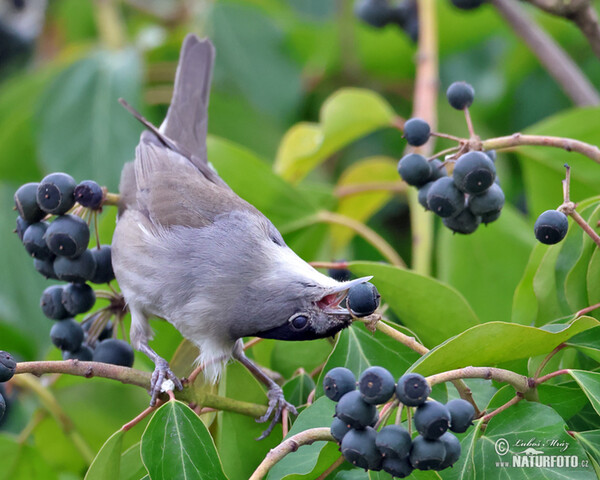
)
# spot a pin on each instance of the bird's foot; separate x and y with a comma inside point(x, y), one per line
point(161, 375)
point(277, 403)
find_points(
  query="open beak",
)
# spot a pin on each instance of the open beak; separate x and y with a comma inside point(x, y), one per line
point(330, 303)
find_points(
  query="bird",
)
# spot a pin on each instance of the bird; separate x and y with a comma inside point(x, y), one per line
point(187, 249)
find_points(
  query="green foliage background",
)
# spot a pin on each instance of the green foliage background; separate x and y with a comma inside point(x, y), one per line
point(305, 87)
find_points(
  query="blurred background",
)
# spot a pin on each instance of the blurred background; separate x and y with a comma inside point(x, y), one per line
point(64, 63)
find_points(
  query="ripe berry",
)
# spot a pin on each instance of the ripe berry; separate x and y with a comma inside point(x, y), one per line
point(68, 236)
point(427, 454)
point(465, 222)
point(338, 382)
point(444, 199)
point(453, 450)
point(415, 169)
point(88, 194)
point(551, 227)
point(7, 366)
point(416, 132)
point(339, 429)
point(67, 335)
point(21, 227)
point(339, 274)
point(393, 441)
point(422, 194)
point(438, 169)
point(467, 4)
point(363, 299)
point(474, 172)
point(104, 270)
point(396, 467)
point(115, 352)
point(2, 406)
point(76, 270)
point(412, 389)
point(34, 241)
point(55, 193)
point(51, 303)
point(492, 200)
point(462, 414)
point(376, 385)
point(26, 203)
point(490, 217)
point(78, 298)
point(354, 411)
point(358, 448)
point(45, 267)
point(432, 419)
point(374, 12)
point(460, 95)
point(84, 354)
point(491, 154)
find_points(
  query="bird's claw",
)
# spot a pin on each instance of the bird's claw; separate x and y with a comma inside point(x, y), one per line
point(161, 373)
point(277, 403)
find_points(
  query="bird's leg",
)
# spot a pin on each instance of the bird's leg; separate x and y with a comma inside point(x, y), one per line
point(277, 401)
point(161, 373)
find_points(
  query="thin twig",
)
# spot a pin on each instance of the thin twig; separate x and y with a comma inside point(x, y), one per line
point(545, 378)
point(513, 401)
point(132, 423)
point(586, 310)
point(547, 359)
point(470, 124)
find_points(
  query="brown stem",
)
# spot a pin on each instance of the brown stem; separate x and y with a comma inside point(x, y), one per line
point(513, 401)
point(410, 342)
point(132, 423)
point(551, 375)
point(331, 468)
point(520, 382)
point(447, 136)
point(554, 59)
point(586, 310)
point(586, 227)
point(547, 359)
point(443, 153)
point(470, 124)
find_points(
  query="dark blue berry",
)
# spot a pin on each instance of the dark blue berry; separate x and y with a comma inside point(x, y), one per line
point(78, 298)
point(7, 366)
point(34, 242)
point(412, 389)
point(55, 193)
point(89, 194)
point(67, 335)
point(115, 352)
point(394, 441)
point(339, 429)
point(51, 303)
point(444, 199)
point(21, 227)
point(354, 411)
point(363, 299)
point(337, 382)
point(26, 203)
point(377, 385)
point(84, 354)
point(490, 217)
point(462, 414)
point(432, 419)
point(453, 450)
point(492, 200)
point(460, 95)
point(416, 132)
point(358, 448)
point(465, 222)
point(68, 236)
point(45, 267)
point(427, 454)
point(374, 12)
point(104, 270)
point(397, 467)
point(415, 169)
point(551, 227)
point(76, 270)
point(474, 172)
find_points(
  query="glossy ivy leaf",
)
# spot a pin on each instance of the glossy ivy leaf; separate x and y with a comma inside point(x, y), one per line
point(566, 398)
point(433, 310)
point(107, 462)
point(510, 342)
point(298, 388)
point(587, 342)
point(375, 170)
point(590, 384)
point(82, 129)
point(132, 467)
point(176, 444)
point(590, 440)
point(347, 115)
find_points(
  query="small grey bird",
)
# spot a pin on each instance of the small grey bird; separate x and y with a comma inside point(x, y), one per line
point(188, 250)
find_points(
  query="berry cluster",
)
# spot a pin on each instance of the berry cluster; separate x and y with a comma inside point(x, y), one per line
point(470, 196)
point(59, 247)
point(7, 370)
point(392, 448)
point(379, 13)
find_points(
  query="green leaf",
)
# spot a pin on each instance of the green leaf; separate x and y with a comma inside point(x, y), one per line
point(433, 310)
point(590, 384)
point(566, 398)
point(254, 181)
point(176, 444)
point(590, 440)
point(82, 129)
point(132, 467)
point(592, 280)
point(587, 342)
point(107, 462)
point(510, 342)
point(297, 389)
point(363, 205)
point(509, 239)
point(288, 357)
point(346, 116)
point(22, 461)
point(525, 305)
point(310, 460)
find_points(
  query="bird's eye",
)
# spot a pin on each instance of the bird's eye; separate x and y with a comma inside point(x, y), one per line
point(299, 322)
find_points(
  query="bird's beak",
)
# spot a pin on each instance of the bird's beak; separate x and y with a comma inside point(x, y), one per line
point(330, 303)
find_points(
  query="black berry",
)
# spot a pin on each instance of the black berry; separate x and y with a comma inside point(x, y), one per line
point(393, 441)
point(397, 467)
point(339, 429)
point(84, 354)
point(376, 385)
point(76, 270)
point(492, 200)
point(453, 449)
point(427, 454)
point(26, 203)
point(551, 227)
point(354, 411)
point(340, 274)
point(68, 236)
point(363, 299)
point(67, 335)
point(104, 270)
point(78, 298)
point(7, 366)
point(416, 132)
point(358, 448)
point(374, 12)
point(51, 303)
point(460, 95)
point(415, 169)
point(422, 195)
point(34, 242)
point(490, 217)
point(474, 172)
point(465, 222)
point(491, 154)
point(432, 419)
point(55, 193)
point(338, 382)
point(412, 389)
point(115, 352)
point(88, 194)
point(467, 4)
point(45, 267)
point(444, 198)
point(21, 227)
point(462, 414)
point(438, 169)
